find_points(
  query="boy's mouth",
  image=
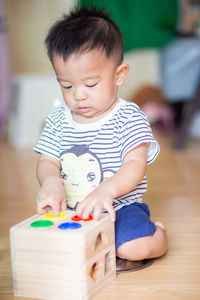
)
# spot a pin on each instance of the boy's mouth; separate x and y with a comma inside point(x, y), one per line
point(84, 109)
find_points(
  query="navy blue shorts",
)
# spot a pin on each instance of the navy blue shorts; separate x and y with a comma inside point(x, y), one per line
point(132, 222)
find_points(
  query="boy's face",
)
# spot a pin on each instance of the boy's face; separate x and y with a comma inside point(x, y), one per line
point(89, 84)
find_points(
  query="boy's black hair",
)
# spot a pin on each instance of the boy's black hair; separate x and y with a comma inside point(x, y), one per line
point(83, 30)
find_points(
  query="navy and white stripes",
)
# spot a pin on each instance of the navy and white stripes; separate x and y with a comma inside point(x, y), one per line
point(110, 139)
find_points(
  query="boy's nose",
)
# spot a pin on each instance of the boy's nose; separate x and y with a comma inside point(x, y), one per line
point(80, 94)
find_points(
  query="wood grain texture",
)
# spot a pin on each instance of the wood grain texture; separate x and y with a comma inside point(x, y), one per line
point(52, 263)
point(173, 197)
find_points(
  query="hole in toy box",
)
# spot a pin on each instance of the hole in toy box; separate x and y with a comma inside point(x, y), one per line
point(108, 262)
point(94, 271)
point(101, 238)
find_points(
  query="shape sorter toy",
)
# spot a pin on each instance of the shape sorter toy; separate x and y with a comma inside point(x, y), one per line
point(62, 258)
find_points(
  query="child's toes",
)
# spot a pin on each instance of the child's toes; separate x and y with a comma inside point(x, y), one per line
point(160, 224)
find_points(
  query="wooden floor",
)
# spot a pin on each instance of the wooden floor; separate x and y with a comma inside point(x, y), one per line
point(173, 197)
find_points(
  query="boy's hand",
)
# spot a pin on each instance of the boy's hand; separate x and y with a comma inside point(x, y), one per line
point(51, 196)
point(99, 199)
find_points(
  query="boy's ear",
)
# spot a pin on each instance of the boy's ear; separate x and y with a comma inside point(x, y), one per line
point(121, 73)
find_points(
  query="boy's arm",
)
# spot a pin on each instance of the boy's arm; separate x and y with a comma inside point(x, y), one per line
point(125, 180)
point(51, 194)
point(130, 174)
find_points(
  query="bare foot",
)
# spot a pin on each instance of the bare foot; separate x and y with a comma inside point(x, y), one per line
point(160, 224)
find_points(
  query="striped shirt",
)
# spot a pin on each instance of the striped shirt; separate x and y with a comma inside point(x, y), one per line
point(91, 153)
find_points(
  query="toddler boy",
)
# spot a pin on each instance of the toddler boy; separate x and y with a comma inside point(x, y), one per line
point(94, 150)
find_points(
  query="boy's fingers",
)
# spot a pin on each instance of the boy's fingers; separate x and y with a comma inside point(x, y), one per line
point(41, 211)
point(97, 212)
point(88, 209)
point(42, 207)
point(81, 209)
point(64, 205)
point(45, 205)
point(56, 209)
point(85, 213)
point(113, 216)
point(111, 212)
point(78, 209)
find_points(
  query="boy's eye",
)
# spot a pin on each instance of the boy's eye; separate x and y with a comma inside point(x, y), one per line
point(67, 87)
point(91, 85)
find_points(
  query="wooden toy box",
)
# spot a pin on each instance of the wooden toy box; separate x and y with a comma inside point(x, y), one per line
point(54, 264)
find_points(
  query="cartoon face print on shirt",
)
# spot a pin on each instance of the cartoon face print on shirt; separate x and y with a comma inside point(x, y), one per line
point(81, 172)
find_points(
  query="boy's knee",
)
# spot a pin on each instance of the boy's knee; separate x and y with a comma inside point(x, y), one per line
point(138, 249)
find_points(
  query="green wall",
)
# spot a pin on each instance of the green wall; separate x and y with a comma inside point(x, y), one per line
point(143, 23)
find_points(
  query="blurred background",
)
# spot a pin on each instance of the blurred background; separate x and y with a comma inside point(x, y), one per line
point(162, 47)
